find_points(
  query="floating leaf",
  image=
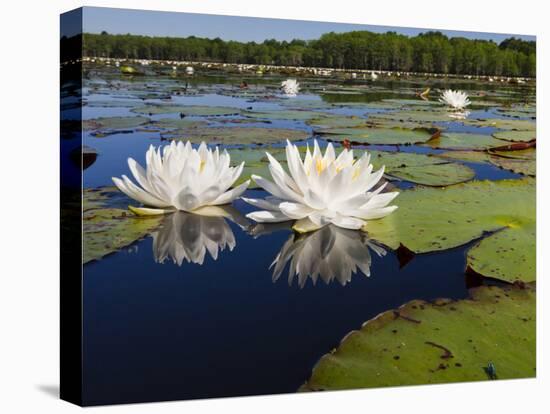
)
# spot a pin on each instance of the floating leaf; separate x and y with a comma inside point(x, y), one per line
point(177, 123)
point(460, 140)
point(466, 155)
point(441, 342)
point(516, 135)
point(433, 219)
point(382, 136)
point(291, 115)
point(429, 116)
point(107, 224)
point(500, 123)
point(188, 110)
point(238, 135)
point(517, 165)
point(507, 255)
point(115, 122)
point(336, 122)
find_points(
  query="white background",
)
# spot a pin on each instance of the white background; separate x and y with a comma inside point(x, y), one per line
point(29, 241)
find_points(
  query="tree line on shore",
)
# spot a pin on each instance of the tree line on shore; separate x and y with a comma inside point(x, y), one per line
point(431, 52)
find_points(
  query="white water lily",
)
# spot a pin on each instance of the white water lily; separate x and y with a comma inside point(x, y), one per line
point(290, 87)
point(457, 100)
point(179, 177)
point(322, 189)
point(330, 253)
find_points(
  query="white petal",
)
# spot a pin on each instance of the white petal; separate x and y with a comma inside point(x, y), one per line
point(267, 216)
point(230, 195)
point(351, 223)
point(295, 210)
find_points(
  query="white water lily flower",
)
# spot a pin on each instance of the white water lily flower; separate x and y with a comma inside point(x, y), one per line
point(457, 100)
point(322, 189)
point(290, 87)
point(179, 177)
point(330, 253)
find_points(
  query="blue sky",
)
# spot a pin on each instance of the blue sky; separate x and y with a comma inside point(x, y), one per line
point(157, 23)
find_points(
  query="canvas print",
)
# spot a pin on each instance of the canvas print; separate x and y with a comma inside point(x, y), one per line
point(259, 206)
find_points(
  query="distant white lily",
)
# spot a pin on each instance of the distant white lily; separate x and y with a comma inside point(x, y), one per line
point(322, 189)
point(179, 177)
point(373, 76)
point(290, 87)
point(330, 253)
point(456, 100)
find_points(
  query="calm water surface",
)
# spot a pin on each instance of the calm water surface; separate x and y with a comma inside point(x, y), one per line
point(157, 329)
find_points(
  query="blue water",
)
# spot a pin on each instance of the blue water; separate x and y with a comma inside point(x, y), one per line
point(163, 331)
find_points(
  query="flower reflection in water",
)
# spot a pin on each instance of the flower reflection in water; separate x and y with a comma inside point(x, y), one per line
point(188, 237)
point(330, 253)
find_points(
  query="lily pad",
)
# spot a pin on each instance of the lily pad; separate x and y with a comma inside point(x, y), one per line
point(373, 135)
point(177, 123)
point(238, 135)
point(292, 115)
point(434, 219)
point(460, 140)
point(107, 225)
point(441, 342)
point(115, 122)
point(517, 165)
point(189, 110)
point(412, 116)
point(501, 123)
point(336, 122)
point(466, 155)
point(516, 135)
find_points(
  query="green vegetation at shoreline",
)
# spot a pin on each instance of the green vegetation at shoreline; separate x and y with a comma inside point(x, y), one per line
point(430, 52)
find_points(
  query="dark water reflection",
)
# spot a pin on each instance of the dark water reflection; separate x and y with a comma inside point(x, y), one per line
point(179, 329)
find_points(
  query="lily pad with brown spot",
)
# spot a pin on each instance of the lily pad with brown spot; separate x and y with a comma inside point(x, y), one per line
point(434, 219)
point(441, 342)
point(462, 141)
point(513, 135)
point(381, 136)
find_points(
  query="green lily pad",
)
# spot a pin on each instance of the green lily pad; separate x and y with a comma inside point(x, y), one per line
point(507, 255)
point(517, 165)
point(466, 155)
point(292, 115)
point(107, 224)
point(336, 122)
point(500, 123)
point(435, 175)
point(519, 111)
point(524, 154)
point(460, 140)
point(434, 219)
point(238, 135)
point(412, 116)
point(115, 122)
point(177, 123)
point(373, 135)
point(189, 110)
point(516, 135)
point(442, 342)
